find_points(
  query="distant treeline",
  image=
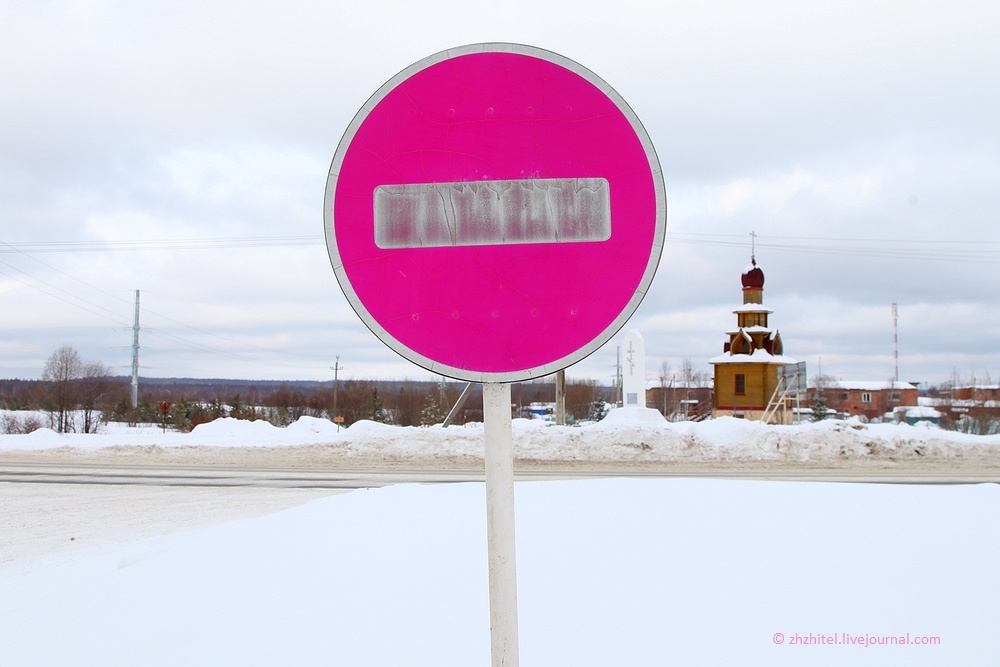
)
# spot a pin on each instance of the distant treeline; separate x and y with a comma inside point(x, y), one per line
point(77, 401)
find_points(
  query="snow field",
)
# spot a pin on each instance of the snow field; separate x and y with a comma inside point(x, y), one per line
point(611, 572)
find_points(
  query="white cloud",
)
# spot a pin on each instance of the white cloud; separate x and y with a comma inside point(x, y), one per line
point(785, 193)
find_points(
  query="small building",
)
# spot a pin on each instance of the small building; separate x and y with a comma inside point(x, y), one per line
point(868, 399)
point(540, 410)
point(921, 413)
point(679, 403)
point(746, 373)
point(978, 393)
point(967, 408)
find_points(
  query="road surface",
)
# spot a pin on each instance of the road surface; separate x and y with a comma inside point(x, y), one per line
point(54, 505)
point(68, 472)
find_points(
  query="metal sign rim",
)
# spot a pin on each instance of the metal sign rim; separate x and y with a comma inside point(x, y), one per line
point(466, 374)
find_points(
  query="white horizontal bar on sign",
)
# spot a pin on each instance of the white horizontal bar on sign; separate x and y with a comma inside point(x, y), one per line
point(540, 210)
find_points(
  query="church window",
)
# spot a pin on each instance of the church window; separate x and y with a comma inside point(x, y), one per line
point(741, 384)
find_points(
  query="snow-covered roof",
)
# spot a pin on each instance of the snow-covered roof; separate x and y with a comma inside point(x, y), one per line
point(678, 385)
point(868, 385)
point(752, 308)
point(922, 412)
point(951, 403)
point(759, 356)
point(754, 329)
point(977, 386)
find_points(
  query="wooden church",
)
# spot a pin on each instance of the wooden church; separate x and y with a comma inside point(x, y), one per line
point(746, 373)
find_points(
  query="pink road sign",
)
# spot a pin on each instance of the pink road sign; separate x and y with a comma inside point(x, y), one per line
point(495, 213)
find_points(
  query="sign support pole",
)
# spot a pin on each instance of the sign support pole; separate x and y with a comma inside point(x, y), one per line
point(499, 457)
point(561, 398)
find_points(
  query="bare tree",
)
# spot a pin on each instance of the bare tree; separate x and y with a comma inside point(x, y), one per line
point(687, 373)
point(691, 378)
point(93, 390)
point(359, 399)
point(61, 371)
point(408, 405)
point(582, 396)
point(74, 384)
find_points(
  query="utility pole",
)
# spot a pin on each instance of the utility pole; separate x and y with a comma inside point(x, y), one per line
point(135, 354)
point(561, 397)
point(336, 382)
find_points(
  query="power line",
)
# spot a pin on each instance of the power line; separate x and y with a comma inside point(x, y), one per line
point(835, 238)
point(49, 266)
point(145, 310)
point(955, 251)
point(980, 251)
point(163, 244)
point(55, 296)
point(175, 339)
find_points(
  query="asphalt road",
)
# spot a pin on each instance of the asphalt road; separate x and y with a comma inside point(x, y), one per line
point(50, 503)
point(354, 478)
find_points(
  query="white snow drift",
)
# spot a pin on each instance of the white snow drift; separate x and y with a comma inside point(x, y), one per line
point(627, 434)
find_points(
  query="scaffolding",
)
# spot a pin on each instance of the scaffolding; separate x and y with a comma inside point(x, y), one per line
point(791, 387)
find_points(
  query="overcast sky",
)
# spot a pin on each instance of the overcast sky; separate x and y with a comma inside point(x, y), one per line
point(860, 140)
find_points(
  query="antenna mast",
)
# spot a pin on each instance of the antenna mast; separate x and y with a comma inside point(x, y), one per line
point(135, 353)
point(616, 378)
point(895, 342)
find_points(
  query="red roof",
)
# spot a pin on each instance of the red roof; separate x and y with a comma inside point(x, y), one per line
point(753, 277)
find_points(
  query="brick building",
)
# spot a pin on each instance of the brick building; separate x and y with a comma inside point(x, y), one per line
point(867, 399)
point(978, 393)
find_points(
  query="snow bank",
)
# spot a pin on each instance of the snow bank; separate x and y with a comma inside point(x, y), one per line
point(626, 434)
point(228, 427)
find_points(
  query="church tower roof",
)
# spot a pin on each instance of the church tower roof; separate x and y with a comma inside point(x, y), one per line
point(753, 277)
point(753, 283)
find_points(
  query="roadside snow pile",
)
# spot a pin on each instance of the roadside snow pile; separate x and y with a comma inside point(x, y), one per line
point(229, 428)
point(626, 434)
point(309, 426)
point(43, 437)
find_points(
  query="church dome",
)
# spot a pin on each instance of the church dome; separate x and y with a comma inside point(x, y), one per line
point(753, 277)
